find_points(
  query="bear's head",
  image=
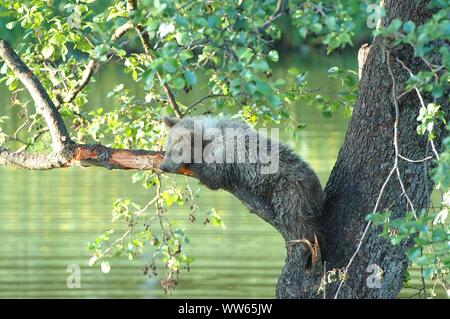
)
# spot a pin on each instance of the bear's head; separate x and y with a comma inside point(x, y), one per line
point(191, 140)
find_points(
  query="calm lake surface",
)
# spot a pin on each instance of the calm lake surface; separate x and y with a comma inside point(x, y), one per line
point(47, 219)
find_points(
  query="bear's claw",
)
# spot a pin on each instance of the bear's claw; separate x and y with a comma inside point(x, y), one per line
point(313, 247)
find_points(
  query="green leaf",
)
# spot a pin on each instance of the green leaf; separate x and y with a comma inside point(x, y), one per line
point(182, 38)
point(93, 260)
point(6, 13)
point(423, 261)
point(409, 27)
point(11, 25)
point(293, 71)
point(169, 67)
point(316, 27)
point(105, 267)
point(179, 83)
point(395, 25)
point(280, 82)
point(414, 253)
point(245, 54)
point(273, 55)
point(190, 77)
point(275, 100)
point(260, 65)
point(263, 88)
point(439, 235)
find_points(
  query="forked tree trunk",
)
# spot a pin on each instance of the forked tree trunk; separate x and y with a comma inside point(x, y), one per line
point(364, 162)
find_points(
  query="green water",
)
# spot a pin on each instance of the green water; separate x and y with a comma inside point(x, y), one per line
point(47, 218)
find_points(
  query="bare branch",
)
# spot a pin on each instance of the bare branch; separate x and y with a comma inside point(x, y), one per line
point(87, 74)
point(415, 161)
point(44, 104)
point(87, 156)
point(201, 100)
point(120, 31)
point(111, 158)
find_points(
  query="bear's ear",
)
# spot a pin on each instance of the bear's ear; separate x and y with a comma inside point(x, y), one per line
point(170, 121)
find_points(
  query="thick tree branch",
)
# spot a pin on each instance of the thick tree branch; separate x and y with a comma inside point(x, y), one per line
point(85, 155)
point(30, 161)
point(111, 158)
point(44, 104)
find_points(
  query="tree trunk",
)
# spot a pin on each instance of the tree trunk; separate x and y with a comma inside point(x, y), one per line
point(364, 162)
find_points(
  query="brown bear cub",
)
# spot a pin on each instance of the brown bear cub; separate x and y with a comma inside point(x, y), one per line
point(267, 176)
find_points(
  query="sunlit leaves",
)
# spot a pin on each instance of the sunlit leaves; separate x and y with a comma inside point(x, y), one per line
point(441, 172)
point(428, 118)
point(214, 218)
point(425, 232)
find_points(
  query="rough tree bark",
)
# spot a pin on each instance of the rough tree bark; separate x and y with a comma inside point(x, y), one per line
point(364, 162)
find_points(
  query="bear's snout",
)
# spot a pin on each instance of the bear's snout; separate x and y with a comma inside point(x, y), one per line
point(169, 167)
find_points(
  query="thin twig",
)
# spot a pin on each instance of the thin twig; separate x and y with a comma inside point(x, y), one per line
point(365, 231)
point(396, 125)
point(434, 150)
point(279, 11)
point(120, 31)
point(415, 161)
point(85, 79)
point(201, 100)
point(422, 102)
